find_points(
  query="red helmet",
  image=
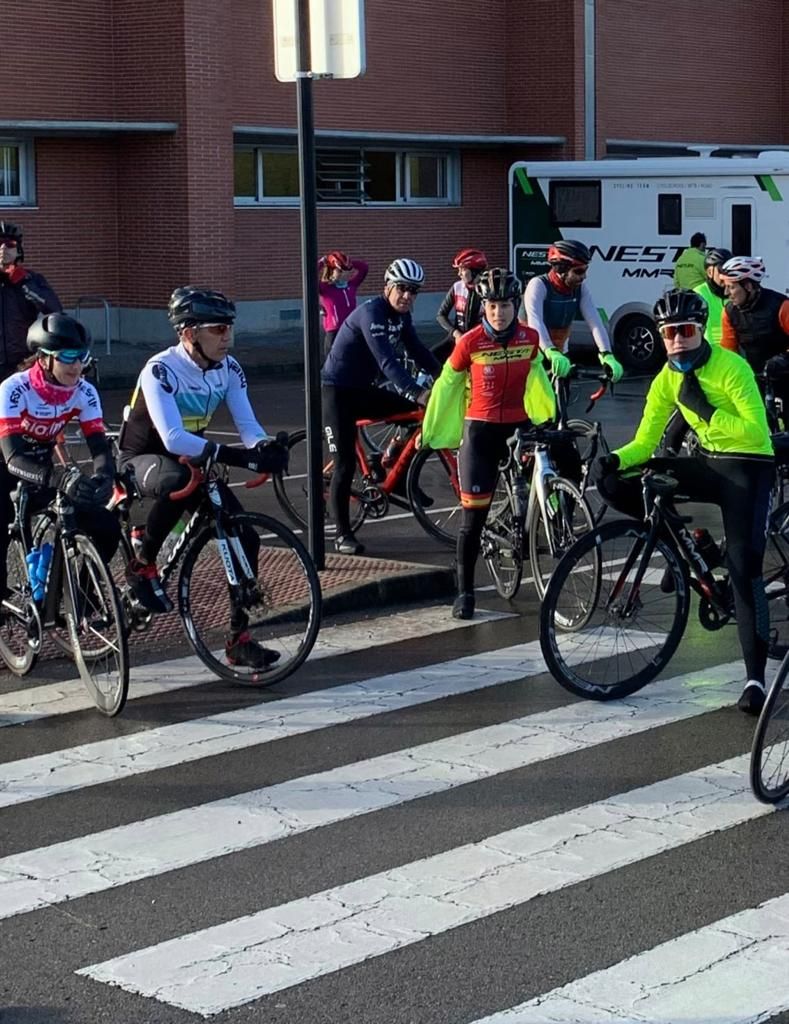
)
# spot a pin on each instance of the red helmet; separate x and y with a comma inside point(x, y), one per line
point(338, 260)
point(471, 259)
point(567, 253)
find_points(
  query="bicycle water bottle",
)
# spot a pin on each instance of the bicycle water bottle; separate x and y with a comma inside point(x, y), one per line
point(392, 452)
point(377, 471)
point(42, 570)
point(31, 561)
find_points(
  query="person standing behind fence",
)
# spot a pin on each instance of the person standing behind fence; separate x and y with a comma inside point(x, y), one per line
point(689, 265)
point(24, 295)
point(340, 280)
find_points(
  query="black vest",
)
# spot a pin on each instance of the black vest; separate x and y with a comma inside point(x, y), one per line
point(758, 330)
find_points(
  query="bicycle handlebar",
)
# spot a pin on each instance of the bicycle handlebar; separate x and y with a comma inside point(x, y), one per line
point(197, 478)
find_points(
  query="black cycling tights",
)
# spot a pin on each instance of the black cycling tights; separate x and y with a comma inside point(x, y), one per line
point(342, 407)
point(740, 486)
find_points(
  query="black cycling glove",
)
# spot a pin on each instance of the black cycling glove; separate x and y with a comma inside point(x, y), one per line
point(691, 395)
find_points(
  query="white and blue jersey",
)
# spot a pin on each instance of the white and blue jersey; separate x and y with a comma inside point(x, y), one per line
point(175, 400)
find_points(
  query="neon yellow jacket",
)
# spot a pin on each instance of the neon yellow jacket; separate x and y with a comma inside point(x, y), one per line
point(713, 330)
point(442, 426)
point(738, 425)
point(689, 268)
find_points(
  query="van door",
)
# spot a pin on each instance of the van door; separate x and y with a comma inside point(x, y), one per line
point(738, 226)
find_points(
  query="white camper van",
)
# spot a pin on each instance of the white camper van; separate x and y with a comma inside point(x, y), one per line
point(636, 216)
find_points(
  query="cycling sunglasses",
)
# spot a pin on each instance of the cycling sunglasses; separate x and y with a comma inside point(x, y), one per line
point(406, 289)
point(217, 329)
point(69, 356)
point(683, 330)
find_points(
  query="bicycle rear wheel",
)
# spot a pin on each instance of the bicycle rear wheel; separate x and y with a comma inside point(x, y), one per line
point(776, 580)
point(433, 475)
point(502, 541)
point(96, 627)
point(601, 637)
point(567, 518)
point(770, 750)
point(584, 445)
point(281, 607)
point(292, 488)
point(20, 625)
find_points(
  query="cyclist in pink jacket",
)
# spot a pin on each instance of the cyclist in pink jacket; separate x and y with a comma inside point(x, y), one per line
point(340, 279)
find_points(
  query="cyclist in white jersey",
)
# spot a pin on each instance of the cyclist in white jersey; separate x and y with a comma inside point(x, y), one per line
point(177, 393)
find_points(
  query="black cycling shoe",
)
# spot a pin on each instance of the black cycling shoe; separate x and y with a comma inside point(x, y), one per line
point(242, 650)
point(752, 698)
point(347, 544)
point(463, 608)
point(144, 583)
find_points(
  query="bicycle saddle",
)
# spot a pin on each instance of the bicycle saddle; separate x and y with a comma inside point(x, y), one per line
point(661, 483)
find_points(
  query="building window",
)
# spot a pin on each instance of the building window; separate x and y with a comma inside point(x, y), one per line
point(669, 215)
point(356, 177)
point(575, 204)
point(15, 173)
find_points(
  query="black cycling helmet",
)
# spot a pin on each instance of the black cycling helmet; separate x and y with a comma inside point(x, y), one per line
point(58, 332)
point(13, 231)
point(191, 305)
point(567, 253)
point(715, 257)
point(680, 306)
point(498, 285)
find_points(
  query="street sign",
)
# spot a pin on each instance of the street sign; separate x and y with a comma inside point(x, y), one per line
point(336, 38)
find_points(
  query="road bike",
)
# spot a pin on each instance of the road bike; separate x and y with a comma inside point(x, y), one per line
point(422, 481)
point(618, 603)
point(237, 571)
point(769, 766)
point(64, 590)
point(531, 501)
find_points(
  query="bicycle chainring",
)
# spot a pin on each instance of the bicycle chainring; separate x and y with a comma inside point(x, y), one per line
point(376, 503)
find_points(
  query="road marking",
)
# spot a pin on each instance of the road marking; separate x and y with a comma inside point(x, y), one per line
point(212, 970)
point(117, 856)
point(32, 703)
point(734, 970)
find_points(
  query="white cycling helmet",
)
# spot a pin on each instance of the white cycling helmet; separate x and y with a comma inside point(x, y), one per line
point(743, 268)
point(404, 271)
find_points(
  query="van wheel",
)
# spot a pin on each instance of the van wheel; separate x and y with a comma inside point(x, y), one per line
point(638, 343)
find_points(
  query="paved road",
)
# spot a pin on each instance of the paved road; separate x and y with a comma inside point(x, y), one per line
point(421, 827)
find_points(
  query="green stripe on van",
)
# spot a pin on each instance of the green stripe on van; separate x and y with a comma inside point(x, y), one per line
point(603, 315)
point(523, 181)
point(769, 186)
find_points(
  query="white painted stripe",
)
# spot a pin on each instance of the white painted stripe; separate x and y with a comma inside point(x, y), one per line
point(732, 971)
point(225, 966)
point(32, 703)
point(128, 853)
point(107, 760)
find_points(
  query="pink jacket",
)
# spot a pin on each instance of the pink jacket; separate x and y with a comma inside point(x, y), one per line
point(337, 303)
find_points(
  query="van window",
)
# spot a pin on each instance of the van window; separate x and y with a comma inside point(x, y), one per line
point(575, 204)
point(741, 229)
point(669, 213)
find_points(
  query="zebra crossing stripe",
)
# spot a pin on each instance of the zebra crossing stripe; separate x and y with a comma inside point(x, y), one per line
point(733, 970)
point(128, 853)
point(32, 703)
point(221, 967)
point(90, 764)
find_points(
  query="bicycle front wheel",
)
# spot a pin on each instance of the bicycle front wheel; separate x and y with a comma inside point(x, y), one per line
point(566, 518)
point(277, 612)
point(292, 489)
point(20, 626)
point(770, 750)
point(96, 627)
point(502, 541)
point(776, 580)
point(434, 493)
point(603, 634)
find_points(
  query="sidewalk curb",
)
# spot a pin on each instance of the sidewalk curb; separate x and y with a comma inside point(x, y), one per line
point(418, 584)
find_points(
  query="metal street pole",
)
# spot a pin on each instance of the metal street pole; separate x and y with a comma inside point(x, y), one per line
point(309, 285)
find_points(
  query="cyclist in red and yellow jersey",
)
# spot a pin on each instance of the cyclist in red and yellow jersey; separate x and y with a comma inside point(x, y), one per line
point(500, 359)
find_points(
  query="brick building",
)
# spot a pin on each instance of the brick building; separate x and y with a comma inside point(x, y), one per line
point(147, 144)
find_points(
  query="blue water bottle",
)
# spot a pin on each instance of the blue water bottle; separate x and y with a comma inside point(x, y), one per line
point(42, 570)
point(31, 560)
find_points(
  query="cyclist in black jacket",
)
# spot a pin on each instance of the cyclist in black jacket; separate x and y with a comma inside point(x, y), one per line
point(461, 303)
point(24, 295)
point(367, 345)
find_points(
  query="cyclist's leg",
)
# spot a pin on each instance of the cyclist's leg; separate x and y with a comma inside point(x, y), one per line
point(102, 527)
point(744, 497)
point(482, 448)
point(339, 418)
point(567, 459)
point(675, 432)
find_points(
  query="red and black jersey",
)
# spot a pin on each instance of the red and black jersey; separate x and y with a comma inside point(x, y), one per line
point(498, 372)
point(37, 410)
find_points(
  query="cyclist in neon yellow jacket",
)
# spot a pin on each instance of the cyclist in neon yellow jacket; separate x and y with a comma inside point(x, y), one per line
point(733, 467)
point(689, 265)
point(713, 291)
